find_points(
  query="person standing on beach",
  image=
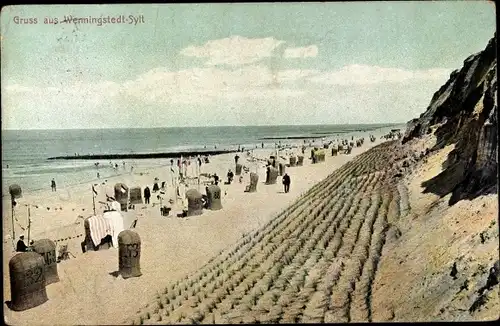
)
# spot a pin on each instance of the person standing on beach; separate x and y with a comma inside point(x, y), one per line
point(198, 167)
point(53, 185)
point(286, 182)
point(236, 158)
point(230, 176)
point(147, 195)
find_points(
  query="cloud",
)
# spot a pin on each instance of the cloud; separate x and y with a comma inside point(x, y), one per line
point(367, 75)
point(247, 94)
point(310, 51)
point(198, 85)
point(235, 50)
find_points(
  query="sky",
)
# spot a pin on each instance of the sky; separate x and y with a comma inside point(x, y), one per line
point(232, 64)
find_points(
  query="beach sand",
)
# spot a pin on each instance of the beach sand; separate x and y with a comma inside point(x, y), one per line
point(171, 247)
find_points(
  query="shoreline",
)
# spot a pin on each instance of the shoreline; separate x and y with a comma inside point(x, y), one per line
point(138, 165)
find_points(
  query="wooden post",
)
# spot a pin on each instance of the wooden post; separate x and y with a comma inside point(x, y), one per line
point(29, 223)
point(13, 226)
point(93, 199)
point(198, 170)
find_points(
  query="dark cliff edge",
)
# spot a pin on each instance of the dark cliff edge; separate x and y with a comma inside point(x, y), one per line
point(465, 112)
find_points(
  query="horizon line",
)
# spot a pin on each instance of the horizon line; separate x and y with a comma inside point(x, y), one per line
point(220, 126)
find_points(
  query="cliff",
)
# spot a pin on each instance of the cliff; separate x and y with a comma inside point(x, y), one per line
point(440, 258)
point(464, 112)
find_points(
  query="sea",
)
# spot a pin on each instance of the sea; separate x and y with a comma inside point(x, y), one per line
point(26, 153)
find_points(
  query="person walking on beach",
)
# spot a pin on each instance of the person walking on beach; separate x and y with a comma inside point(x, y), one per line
point(21, 246)
point(230, 176)
point(147, 195)
point(286, 182)
point(236, 158)
point(53, 185)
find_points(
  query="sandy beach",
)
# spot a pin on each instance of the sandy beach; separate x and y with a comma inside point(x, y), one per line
point(171, 247)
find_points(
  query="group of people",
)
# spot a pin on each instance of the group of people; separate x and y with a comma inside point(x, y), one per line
point(113, 166)
point(183, 164)
point(147, 192)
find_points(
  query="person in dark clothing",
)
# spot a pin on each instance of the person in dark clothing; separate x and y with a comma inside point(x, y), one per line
point(53, 185)
point(155, 187)
point(230, 176)
point(216, 179)
point(147, 195)
point(286, 182)
point(21, 246)
point(236, 158)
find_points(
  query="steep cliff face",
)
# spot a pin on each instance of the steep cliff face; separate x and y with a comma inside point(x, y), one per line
point(465, 110)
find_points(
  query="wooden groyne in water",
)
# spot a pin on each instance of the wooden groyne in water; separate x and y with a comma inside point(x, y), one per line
point(141, 155)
